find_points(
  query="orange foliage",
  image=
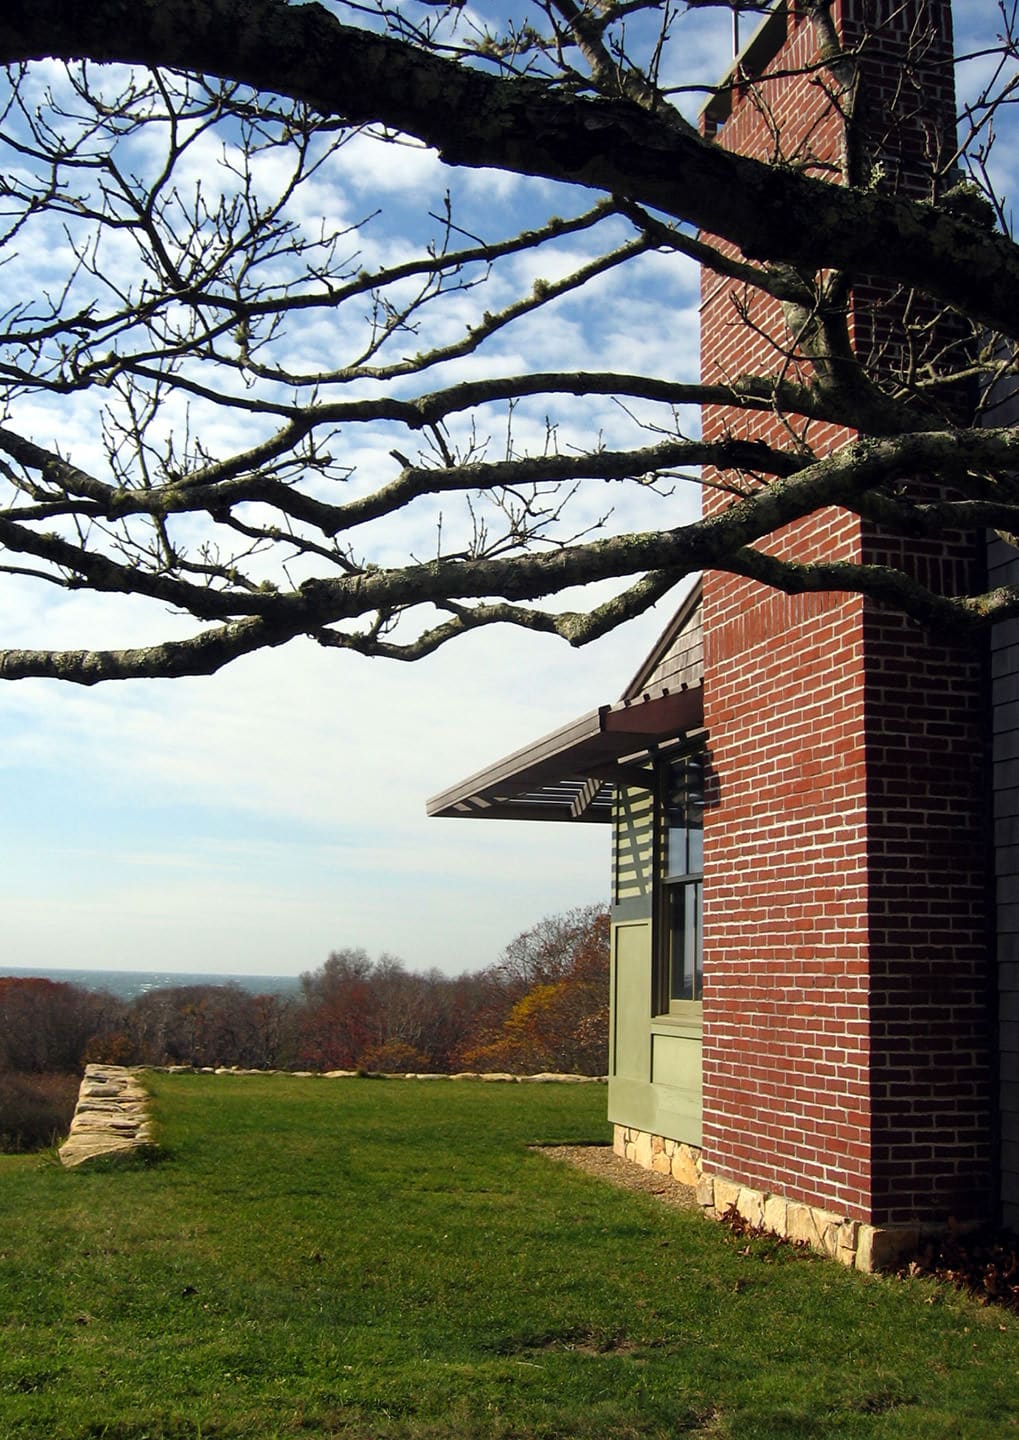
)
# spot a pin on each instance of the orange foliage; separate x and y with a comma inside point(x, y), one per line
point(393, 1057)
point(561, 1020)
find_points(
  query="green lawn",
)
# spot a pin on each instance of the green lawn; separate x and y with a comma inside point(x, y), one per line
point(358, 1258)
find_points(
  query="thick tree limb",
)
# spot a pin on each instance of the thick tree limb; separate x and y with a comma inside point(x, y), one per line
point(476, 118)
point(208, 329)
point(720, 541)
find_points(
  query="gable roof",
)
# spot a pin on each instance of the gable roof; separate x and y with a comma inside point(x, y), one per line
point(655, 669)
point(570, 773)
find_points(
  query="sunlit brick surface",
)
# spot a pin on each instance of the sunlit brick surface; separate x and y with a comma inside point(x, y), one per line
point(845, 1014)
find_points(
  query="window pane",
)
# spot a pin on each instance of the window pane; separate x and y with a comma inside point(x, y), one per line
point(677, 934)
point(695, 839)
point(684, 812)
point(676, 855)
point(684, 921)
point(678, 964)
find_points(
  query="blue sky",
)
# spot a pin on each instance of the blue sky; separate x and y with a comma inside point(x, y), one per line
point(252, 821)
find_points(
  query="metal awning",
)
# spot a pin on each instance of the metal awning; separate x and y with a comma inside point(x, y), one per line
point(569, 774)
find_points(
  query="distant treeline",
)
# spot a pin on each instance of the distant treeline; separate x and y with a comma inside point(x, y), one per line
point(542, 1006)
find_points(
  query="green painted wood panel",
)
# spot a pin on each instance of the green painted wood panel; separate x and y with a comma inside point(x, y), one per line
point(676, 1079)
point(631, 1001)
point(655, 1065)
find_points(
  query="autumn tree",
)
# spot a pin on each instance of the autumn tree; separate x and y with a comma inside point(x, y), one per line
point(207, 1025)
point(557, 1028)
point(337, 1021)
point(48, 1030)
point(554, 983)
point(572, 944)
point(48, 1025)
point(378, 1015)
point(234, 391)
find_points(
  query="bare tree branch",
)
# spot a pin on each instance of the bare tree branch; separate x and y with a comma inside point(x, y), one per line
point(231, 386)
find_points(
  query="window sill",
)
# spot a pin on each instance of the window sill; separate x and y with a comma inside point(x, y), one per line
point(690, 1026)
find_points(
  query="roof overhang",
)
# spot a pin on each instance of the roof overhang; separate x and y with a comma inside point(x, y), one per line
point(569, 774)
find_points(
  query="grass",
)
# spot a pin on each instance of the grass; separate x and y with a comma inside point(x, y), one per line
point(389, 1261)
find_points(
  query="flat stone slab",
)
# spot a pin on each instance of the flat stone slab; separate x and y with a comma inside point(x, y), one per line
point(110, 1118)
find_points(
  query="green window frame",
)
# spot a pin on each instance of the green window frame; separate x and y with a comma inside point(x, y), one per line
point(678, 943)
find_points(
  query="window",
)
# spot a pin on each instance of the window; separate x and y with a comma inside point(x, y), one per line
point(680, 970)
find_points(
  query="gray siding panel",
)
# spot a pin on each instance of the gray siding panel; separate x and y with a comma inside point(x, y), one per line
point(677, 661)
point(683, 663)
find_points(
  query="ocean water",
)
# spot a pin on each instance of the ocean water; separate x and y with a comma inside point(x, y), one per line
point(127, 984)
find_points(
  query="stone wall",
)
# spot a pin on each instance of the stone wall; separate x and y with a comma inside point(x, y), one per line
point(111, 1116)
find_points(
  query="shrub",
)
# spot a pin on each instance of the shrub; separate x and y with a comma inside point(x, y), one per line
point(114, 1049)
point(393, 1057)
point(35, 1110)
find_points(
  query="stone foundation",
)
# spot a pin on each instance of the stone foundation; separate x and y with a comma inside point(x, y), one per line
point(655, 1152)
point(853, 1243)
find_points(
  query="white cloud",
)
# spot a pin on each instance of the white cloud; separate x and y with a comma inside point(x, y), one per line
point(369, 165)
point(257, 819)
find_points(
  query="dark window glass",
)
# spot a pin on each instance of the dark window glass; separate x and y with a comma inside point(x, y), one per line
point(679, 945)
point(684, 819)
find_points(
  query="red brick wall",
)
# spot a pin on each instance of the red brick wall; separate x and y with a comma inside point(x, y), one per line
point(845, 1058)
point(929, 860)
point(786, 1092)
